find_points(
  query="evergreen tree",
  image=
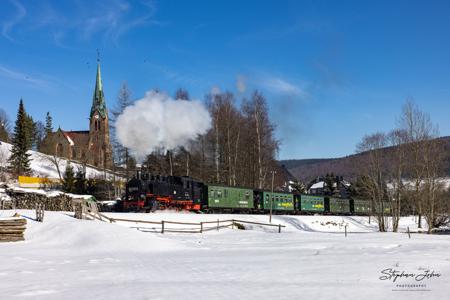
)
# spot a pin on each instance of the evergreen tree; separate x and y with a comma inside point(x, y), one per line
point(181, 94)
point(19, 161)
point(48, 124)
point(3, 133)
point(80, 182)
point(30, 131)
point(69, 179)
point(121, 153)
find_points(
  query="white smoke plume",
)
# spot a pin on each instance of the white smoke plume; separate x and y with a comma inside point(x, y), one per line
point(158, 121)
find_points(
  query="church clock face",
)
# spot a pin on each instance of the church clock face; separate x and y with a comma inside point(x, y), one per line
point(96, 116)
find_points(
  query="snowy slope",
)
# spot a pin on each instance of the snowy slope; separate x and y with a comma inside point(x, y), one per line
point(42, 165)
point(65, 258)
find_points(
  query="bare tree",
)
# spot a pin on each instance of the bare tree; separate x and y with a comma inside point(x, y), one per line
point(4, 155)
point(374, 179)
point(262, 131)
point(397, 139)
point(432, 185)
point(54, 161)
point(419, 129)
point(5, 126)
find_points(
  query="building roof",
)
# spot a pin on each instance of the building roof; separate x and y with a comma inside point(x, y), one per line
point(98, 99)
point(77, 138)
point(318, 185)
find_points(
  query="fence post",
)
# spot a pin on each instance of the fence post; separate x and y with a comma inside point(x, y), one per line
point(162, 226)
point(279, 228)
point(217, 224)
point(409, 234)
point(232, 224)
point(201, 227)
point(345, 230)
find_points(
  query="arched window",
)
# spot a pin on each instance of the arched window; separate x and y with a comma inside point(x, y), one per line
point(59, 149)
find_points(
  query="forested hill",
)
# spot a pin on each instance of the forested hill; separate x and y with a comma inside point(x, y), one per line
point(308, 169)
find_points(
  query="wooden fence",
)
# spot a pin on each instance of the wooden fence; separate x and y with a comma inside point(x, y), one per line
point(195, 227)
point(88, 209)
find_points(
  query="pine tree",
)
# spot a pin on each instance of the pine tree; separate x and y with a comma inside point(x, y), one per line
point(3, 134)
point(69, 179)
point(48, 124)
point(19, 161)
point(181, 94)
point(80, 182)
point(30, 131)
point(121, 153)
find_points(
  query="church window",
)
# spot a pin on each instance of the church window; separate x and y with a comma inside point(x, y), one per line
point(59, 149)
point(74, 152)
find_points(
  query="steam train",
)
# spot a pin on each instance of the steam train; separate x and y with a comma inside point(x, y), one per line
point(147, 192)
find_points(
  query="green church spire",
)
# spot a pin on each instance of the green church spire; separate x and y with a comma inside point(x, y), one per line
point(98, 100)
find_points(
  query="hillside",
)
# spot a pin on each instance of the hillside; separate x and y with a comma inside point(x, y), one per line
point(308, 169)
point(43, 165)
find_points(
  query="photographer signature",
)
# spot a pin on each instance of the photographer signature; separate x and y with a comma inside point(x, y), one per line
point(392, 274)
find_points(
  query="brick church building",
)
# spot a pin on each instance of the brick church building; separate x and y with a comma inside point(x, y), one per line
point(88, 146)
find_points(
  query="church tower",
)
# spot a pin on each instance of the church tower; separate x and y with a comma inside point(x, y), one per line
point(100, 151)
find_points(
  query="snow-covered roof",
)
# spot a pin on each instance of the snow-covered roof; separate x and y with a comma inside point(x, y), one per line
point(69, 139)
point(318, 185)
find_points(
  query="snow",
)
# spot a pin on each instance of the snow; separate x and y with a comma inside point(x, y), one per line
point(65, 258)
point(48, 193)
point(42, 165)
point(318, 185)
point(3, 195)
point(69, 139)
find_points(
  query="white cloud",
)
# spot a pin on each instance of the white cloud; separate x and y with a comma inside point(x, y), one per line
point(278, 85)
point(85, 20)
point(17, 75)
point(9, 24)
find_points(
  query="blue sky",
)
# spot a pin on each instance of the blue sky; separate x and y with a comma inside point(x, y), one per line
point(332, 71)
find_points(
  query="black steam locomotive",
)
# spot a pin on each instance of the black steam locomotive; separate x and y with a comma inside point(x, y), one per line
point(147, 192)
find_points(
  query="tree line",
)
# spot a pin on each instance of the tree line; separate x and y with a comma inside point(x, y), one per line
point(412, 180)
point(239, 150)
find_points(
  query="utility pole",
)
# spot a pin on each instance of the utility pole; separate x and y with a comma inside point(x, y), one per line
point(271, 198)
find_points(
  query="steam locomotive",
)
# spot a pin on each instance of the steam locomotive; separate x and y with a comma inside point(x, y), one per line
point(146, 192)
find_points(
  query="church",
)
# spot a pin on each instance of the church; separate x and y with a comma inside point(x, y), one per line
point(91, 146)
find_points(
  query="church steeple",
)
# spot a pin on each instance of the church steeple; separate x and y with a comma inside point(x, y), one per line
point(98, 100)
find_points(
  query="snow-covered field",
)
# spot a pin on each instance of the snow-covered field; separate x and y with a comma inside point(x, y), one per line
point(65, 258)
point(43, 165)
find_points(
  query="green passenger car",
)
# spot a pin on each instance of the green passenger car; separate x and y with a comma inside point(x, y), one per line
point(386, 207)
point(361, 207)
point(312, 203)
point(339, 206)
point(280, 201)
point(229, 197)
